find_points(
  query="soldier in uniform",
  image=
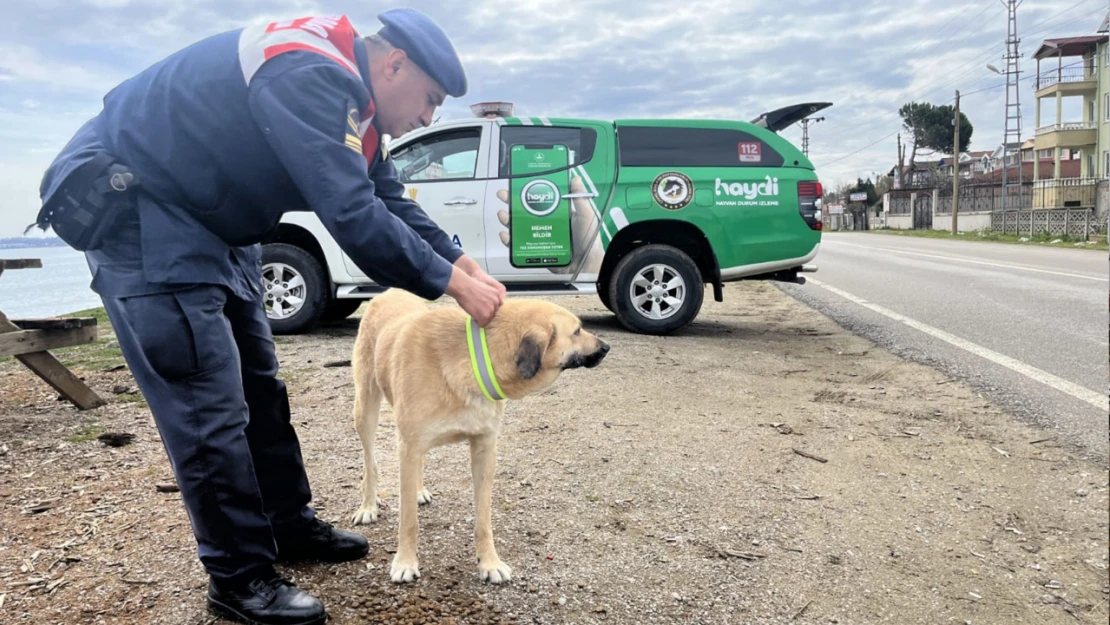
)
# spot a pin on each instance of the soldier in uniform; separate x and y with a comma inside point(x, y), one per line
point(170, 189)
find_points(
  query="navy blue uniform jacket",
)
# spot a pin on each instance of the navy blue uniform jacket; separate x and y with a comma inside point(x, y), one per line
point(221, 156)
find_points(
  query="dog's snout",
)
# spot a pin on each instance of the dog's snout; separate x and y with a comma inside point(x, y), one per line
point(595, 358)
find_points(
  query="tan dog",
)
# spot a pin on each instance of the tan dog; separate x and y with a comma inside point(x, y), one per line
point(420, 360)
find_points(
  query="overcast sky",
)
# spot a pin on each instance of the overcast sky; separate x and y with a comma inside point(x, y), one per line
point(606, 59)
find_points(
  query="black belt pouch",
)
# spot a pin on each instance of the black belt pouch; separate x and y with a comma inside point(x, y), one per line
point(90, 202)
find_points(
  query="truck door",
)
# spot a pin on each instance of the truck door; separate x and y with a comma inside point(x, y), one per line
point(444, 171)
point(584, 150)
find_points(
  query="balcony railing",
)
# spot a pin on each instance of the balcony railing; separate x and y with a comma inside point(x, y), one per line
point(1055, 183)
point(1044, 130)
point(1065, 193)
point(1064, 75)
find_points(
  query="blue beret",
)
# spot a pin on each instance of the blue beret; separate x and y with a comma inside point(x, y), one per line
point(427, 45)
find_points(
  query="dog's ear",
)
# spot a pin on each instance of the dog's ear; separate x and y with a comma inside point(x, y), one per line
point(530, 352)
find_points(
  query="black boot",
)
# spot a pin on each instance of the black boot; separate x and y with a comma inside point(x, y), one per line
point(320, 541)
point(268, 599)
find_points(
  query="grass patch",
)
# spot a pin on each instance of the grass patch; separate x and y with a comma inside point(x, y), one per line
point(102, 354)
point(87, 433)
point(97, 356)
point(1043, 240)
point(133, 398)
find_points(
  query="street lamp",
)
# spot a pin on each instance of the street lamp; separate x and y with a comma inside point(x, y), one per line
point(994, 69)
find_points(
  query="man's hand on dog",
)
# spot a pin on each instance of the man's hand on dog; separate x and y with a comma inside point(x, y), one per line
point(477, 297)
point(474, 270)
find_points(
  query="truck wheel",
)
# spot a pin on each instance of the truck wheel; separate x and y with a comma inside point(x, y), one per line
point(340, 309)
point(294, 288)
point(656, 289)
point(603, 295)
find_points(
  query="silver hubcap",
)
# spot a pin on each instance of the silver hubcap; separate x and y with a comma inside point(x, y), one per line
point(283, 290)
point(657, 292)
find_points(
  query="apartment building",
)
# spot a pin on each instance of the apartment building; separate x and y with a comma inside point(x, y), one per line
point(1075, 70)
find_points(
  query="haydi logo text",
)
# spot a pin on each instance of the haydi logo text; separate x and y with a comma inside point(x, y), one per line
point(544, 196)
point(747, 190)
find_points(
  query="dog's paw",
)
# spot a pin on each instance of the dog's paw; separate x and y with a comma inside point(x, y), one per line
point(404, 570)
point(496, 572)
point(365, 516)
point(424, 497)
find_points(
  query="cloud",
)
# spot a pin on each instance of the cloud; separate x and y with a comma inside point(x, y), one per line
point(23, 63)
point(732, 59)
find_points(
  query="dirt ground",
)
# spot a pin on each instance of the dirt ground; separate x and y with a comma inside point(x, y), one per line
point(667, 485)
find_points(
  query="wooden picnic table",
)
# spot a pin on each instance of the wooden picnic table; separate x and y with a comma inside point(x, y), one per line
point(30, 342)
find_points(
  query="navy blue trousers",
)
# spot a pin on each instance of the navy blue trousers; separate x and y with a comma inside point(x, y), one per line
point(204, 360)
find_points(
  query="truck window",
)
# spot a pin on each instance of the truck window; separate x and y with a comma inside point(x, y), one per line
point(447, 155)
point(649, 146)
point(580, 142)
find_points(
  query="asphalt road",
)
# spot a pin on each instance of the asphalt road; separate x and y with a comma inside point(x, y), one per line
point(1026, 326)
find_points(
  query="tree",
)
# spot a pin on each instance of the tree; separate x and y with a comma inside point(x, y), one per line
point(885, 184)
point(930, 129)
point(842, 190)
point(941, 139)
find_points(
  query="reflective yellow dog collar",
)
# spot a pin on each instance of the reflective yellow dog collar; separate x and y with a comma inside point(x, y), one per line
point(480, 360)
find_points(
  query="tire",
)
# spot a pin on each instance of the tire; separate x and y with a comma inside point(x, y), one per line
point(301, 284)
point(603, 295)
point(663, 262)
point(340, 309)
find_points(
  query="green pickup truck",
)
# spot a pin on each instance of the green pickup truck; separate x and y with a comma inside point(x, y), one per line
point(642, 213)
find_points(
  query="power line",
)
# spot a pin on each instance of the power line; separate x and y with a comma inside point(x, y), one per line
point(929, 86)
point(1045, 27)
point(937, 44)
point(1029, 77)
point(962, 95)
point(851, 154)
point(975, 62)
point(1031, 34)
point(970, 21)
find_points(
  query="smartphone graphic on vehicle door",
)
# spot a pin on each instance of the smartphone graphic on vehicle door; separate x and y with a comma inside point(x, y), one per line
point(539, 211)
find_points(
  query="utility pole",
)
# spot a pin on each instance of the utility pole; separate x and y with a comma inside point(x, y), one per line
point(1012, 133)
point(956, 166)
point(901, 157)
point(805, 132)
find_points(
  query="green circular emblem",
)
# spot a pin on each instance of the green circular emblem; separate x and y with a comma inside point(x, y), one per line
point(540, 197)
point(672, 190)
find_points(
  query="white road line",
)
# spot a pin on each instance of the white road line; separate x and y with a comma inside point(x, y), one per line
point(976, 262)
point(1098, 400)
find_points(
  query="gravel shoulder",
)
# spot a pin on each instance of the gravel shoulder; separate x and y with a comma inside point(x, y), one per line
point(762, 466)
